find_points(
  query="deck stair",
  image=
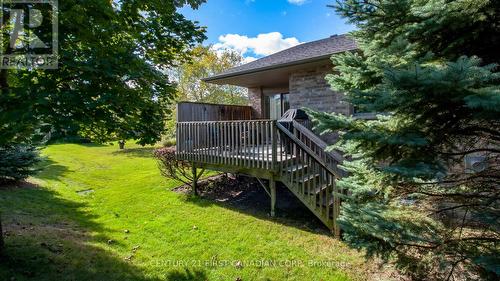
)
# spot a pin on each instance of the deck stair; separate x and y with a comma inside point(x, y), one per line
point(311, 178)
point(266, 149)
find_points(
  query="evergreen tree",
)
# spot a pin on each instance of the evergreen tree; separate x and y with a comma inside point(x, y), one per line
point(428, 67)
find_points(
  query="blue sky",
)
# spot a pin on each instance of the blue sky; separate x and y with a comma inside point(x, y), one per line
point(260, 27)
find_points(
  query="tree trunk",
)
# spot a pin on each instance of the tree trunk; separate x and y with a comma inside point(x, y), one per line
point(195, 180)
point(4, 83)
point(1, 237)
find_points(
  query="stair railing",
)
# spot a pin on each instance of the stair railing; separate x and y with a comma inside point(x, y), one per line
point(331, 158)
point(309, 178)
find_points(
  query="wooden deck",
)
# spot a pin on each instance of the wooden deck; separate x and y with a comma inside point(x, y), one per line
point(253, 160)
point(233, 146)
point(265, 149)
point(261, 154)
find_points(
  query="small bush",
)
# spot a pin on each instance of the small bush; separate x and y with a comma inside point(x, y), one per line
point(17, 162)
point(173, 168)
point(168, 142)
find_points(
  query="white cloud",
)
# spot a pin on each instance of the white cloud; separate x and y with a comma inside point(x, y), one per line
point(297, 2)
point(249, 59)
point(262, 45)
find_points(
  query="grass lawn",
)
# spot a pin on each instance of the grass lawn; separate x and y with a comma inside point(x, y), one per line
point(97, 213)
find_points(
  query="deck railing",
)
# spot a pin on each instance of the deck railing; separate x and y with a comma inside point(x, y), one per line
point(246, 143)
point(331, 158)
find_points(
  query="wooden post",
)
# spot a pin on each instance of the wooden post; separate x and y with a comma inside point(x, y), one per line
point(274, 165)
point(336, 210)
point(195, 179)
point(274, 142)
point(272, 187)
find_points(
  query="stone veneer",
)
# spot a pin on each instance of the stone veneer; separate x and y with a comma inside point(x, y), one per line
point(309, 89)
point(255, 100)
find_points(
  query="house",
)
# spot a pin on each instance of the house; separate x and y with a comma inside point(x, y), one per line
point(292, 78)
point(249, 140)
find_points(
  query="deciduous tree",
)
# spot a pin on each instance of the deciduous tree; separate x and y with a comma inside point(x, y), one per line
point(111, 82)
point(209, 62)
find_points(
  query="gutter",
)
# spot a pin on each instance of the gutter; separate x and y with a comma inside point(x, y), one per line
point(271, 67)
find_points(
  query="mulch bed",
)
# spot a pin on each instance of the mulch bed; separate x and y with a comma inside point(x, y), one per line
point(17, 185)
point(222, 188)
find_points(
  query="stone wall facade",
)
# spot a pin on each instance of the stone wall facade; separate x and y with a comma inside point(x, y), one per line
point(255, 101)
point(309, 89)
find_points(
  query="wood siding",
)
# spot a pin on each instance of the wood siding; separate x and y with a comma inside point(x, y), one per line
point(190, 112)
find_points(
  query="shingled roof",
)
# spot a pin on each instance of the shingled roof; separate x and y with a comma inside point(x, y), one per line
point(306, 52)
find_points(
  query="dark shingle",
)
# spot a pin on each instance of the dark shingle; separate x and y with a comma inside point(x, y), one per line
point(303, 52)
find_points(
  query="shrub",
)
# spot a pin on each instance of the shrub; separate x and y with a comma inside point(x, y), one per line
point(172, 168)
point(17, 162)
point(168, 142)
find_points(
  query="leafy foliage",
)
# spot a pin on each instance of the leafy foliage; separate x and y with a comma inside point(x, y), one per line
point(209, 62)
point(436, 88)
point(191, 87)
point(111, 82)
point(17, 162)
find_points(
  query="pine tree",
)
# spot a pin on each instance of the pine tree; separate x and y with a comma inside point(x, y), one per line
point(428, 67)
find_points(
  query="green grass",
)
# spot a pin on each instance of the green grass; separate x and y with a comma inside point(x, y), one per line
point(92, 205)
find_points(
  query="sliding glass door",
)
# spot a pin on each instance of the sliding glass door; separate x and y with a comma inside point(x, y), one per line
point(276, 105)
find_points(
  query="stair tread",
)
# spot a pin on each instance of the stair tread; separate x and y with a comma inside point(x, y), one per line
point(331, 201)
point(318, 189)
point(306, 178)
point(296, 167)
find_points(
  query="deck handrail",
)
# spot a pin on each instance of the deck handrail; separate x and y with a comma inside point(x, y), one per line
point(225, 121)
point(241, 143)
point(330, 158)
point(317, 141)
point(306, 149)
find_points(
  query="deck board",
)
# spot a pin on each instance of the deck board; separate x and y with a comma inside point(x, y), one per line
point(257, 153)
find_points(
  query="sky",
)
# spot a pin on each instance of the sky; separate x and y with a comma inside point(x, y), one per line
point(258, 28)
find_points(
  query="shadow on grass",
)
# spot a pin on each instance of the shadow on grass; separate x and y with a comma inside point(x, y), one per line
point(145, 152)
point(186, 275)
point(81, 143)
point(49, 238)
point(246, 196)
point(50, 170)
